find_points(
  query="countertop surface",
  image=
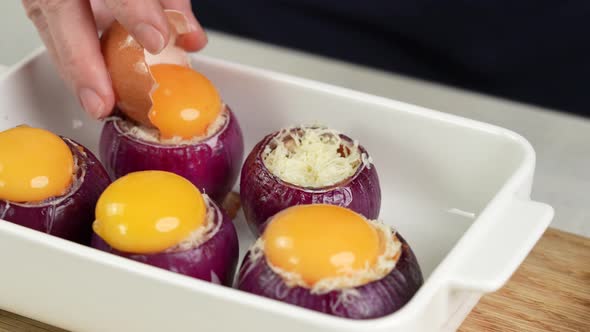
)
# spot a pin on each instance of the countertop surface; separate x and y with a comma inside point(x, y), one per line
point(562, 142)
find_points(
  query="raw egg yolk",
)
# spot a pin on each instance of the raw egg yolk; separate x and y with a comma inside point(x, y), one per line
point(35, 165)
point(321, 241)
point(185, 102)
point(148, 212)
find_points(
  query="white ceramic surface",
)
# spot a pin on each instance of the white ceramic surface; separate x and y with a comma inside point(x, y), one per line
point(457, 189)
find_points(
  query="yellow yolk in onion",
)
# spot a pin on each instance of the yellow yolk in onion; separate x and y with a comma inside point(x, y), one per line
point(321, 241)
point(185, 102)
point(149, 212)
point(35, 164)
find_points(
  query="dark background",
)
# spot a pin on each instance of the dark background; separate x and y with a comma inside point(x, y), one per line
point(530, 51)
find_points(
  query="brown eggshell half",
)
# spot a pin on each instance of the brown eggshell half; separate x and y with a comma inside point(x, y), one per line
point(128, 65)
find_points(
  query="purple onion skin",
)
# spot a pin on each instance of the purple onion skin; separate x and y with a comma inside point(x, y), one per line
point(212, 165)
point(214, 261)
point(71, 216)
point(375, 299)
point(264, 194)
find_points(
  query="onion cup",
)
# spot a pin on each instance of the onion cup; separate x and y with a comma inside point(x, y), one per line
point(68, 216)
point(372, 300)
point(211, 164)
point(213, 260)
point(264, 194)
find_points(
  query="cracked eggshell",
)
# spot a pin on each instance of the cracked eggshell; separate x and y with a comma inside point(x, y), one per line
point(128, 65)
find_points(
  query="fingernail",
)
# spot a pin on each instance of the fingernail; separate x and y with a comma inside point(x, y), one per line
point(91, 102)
point(149, 37)
point(193, 23)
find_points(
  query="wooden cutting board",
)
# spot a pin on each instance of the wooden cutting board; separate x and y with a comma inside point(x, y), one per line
point(550, 292)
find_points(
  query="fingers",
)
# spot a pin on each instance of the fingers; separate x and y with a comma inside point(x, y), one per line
point(144, 19)
point(76, 44)
point(102, 15)
point(68, 28)
point(195, 40)
point(34, 13)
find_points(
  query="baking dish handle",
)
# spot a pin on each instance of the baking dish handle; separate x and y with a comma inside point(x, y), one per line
point(492, 262)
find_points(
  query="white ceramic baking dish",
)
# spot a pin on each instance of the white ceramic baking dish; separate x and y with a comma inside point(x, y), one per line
point(457, 189)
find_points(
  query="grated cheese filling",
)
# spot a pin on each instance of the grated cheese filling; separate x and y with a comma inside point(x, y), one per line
point(313, 157)
point(204, 233)
point(385, 264)
point(152, 135)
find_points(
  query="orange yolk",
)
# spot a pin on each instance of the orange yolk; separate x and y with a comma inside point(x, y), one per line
point(185, 102)
point(35, 165)
point(321, 241)
point(149, 212)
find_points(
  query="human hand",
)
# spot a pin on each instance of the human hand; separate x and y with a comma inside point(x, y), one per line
point(69, 30)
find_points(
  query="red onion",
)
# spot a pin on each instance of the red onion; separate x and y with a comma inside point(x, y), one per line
point(375, 299)
point(264, 194)
point(214, 260)
point(211, 165)
point(69, 216)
